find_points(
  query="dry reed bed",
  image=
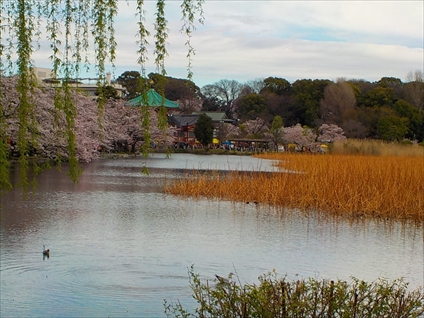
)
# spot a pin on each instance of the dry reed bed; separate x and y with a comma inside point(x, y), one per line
point(370, 186)
point(376, 148)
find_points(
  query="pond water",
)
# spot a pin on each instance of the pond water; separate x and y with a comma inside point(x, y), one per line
point(119, 246)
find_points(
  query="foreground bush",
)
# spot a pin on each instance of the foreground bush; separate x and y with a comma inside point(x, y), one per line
point(277, 297)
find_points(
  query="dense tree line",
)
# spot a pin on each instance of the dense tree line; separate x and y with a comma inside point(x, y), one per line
point(388, 109)
point(305, 112)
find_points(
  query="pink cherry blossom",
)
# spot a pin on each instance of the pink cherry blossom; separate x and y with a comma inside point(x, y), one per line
point(117, 128)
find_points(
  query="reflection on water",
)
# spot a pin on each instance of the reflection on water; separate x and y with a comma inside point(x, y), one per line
point(118, 246)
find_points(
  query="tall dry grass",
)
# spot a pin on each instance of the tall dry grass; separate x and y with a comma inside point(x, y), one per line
point(350, 185)
point(376, 148)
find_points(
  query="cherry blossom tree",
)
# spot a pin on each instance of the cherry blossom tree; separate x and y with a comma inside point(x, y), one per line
point(190, 105)
point(330, 133)
point(311, 139)
point(301, 136)
point(119, 125)
point(65, 26)
point(232, 131)
point(254, 127)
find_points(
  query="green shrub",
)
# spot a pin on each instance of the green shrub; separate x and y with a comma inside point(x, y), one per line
point(276, 297)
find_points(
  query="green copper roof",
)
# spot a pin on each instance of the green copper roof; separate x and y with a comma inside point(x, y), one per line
point(153, 99)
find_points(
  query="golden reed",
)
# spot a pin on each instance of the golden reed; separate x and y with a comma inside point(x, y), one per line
point(376, 148)
point(350, 185)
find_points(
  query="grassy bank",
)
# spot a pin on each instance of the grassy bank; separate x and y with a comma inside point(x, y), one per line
point(348, 185)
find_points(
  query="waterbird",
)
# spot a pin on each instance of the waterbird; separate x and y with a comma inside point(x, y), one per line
point(222, 280)
point(46, 252)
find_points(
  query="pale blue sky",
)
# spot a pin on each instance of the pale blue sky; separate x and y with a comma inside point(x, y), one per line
point(245, 40)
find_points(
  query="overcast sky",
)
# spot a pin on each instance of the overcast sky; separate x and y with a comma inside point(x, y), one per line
point(246, 40)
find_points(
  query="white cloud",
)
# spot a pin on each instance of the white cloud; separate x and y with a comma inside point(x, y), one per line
point(244, 40)
point(377, 20)
point(296, 59)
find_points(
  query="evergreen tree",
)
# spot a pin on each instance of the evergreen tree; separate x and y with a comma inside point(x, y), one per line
point(203, 131)
point(277, 130)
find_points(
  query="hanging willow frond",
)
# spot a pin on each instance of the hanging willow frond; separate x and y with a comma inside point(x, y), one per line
point(104, 12)
point(70, 108)
point(161, 36)
point(199, 9)
point(99, 32)
point(24, 26)
point(112, 5)
point(71, 26)
point(142, 34)
point(70, 115)
point(163, 124)
point(52, 15)
point(188, 27)
point(189, 9)
point(4, 140)
point(4, 149)
point(145, 124)
point(82, 22)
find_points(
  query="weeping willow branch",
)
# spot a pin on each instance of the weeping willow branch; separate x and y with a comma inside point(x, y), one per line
point(53, 33)
point(52, 14)
point(104, 12)
point(160, 36)
point(4, 146)
point(145, 124)
point(70, 108)
point(7, 46)
point(142, 34)
point(189, 8)
point(68, 25)
point(99, 31)
point(27, 130)
point(81, 35)
point(4, 163)
point(163, 124)
point(70, 115)
point(112, 12)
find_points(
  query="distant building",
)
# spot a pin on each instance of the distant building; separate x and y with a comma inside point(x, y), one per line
point(88, 85)
point(152, 99)
point(43, 74)
point(217, 117)
point(185, 124)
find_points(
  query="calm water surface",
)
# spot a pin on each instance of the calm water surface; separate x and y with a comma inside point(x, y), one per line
point(119, 246)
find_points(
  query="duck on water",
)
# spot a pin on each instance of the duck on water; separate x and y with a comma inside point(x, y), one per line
point(46, 252)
